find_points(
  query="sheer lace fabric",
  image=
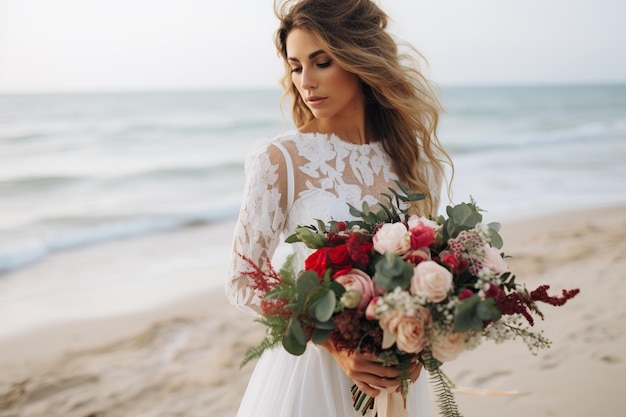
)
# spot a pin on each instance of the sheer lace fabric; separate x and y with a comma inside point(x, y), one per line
point(293, 180)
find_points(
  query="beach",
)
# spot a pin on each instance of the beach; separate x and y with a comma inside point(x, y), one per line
point(79, 338)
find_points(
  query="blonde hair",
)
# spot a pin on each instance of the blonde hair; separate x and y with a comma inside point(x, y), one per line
point(400, 103)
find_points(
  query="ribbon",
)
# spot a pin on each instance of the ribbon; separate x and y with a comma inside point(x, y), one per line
point(389, 403)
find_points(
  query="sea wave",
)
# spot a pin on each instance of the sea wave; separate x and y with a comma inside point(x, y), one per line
point(465, 143)
point(63, 233)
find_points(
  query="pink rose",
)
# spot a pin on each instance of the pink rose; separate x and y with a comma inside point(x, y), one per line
point(447, 347)
point(409, 332)
point(358, 281)
point(494, 261)
point(414, 257)
point(393, 237)
point(432, 281)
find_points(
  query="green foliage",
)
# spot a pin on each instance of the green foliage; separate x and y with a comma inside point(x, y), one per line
point(294, 341)
point(466, 216)
point(392, 272)
point(395, 211)
point(473, 312)
point(276, 326)
point(309, 235)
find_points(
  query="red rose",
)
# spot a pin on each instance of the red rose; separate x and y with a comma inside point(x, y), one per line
point(458, 265)
point(340, 260)
point(422, 236)
point(317, 261)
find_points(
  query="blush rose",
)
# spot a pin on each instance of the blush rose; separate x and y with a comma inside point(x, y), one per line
point(447, 347)
point(393, 237)
point(408, 332)
point(494, 261)
point(432, 281)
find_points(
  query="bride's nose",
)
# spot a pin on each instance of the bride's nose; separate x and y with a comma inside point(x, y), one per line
point(308, 80)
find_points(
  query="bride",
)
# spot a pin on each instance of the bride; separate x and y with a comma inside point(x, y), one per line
point(365, 118)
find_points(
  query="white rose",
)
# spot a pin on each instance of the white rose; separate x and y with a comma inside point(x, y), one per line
point(393, 237)
point(447, 347)
point(431, 280)
point(494, 261)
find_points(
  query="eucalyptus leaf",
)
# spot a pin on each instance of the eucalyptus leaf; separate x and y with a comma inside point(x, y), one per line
point(295, 330)
point(392, 272)
point(496, 239)
point(495, 226)
point(325, 306)
point(464, 314)
point(488, 311)
point(292, 345)
point(476, 323)
point(327, 325)
point(320, 335)
point(337, 288)
point(463, 215)
point(307, 282)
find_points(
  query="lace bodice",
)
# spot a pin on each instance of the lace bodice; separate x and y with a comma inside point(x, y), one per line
point(294, 180)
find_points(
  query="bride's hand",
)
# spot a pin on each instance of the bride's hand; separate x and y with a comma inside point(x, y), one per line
point(367, 371)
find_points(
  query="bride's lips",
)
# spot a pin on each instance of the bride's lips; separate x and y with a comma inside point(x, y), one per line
point(315, 101)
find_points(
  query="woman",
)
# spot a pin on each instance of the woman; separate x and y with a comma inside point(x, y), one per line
point(365, 119)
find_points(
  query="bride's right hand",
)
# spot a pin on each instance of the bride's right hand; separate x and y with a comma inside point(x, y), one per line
point(366, 371)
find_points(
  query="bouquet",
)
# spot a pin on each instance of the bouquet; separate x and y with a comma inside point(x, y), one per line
point(400, 287)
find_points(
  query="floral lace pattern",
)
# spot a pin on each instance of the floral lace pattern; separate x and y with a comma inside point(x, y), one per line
point(320, 174)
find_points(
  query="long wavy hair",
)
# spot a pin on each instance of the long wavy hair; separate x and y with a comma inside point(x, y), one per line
point(401, 106)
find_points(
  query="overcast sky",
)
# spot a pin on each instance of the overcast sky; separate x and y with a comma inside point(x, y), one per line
point(104, 45)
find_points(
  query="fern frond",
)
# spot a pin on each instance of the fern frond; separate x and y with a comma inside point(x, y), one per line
point(442, 386)
point(445, 397)
point(256, 351)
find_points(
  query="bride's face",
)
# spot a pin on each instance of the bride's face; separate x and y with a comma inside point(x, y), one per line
point(328, 90)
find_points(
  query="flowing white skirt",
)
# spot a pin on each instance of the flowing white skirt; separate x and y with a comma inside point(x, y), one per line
point(311, 385)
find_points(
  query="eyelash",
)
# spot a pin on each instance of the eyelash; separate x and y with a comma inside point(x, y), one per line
point(319, 65)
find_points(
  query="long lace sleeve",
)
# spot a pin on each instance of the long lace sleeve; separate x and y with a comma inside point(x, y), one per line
point(260, 223)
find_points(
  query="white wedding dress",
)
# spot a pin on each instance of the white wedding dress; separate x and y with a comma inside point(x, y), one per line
point(294, 180)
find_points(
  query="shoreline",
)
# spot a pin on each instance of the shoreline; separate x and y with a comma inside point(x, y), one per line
point(173, 333)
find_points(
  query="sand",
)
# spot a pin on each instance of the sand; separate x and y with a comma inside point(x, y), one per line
point(79, 338)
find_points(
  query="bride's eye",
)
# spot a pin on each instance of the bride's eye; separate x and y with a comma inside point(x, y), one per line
point(296, 70)
point(324, 64)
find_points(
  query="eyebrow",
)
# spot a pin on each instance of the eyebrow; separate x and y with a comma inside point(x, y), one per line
point(311, 56)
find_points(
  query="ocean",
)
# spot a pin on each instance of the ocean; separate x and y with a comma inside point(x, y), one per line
point(80, 169)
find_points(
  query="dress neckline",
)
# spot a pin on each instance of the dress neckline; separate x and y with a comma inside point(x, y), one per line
point(336, 140)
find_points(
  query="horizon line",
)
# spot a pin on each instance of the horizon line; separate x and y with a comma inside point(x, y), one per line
point(205, 89)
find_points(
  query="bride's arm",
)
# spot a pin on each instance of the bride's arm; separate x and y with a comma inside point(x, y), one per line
point(260, 223)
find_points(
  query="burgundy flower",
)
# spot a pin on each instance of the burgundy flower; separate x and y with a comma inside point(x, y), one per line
point(541, 294)
point(466, 293)
point(360, 249)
